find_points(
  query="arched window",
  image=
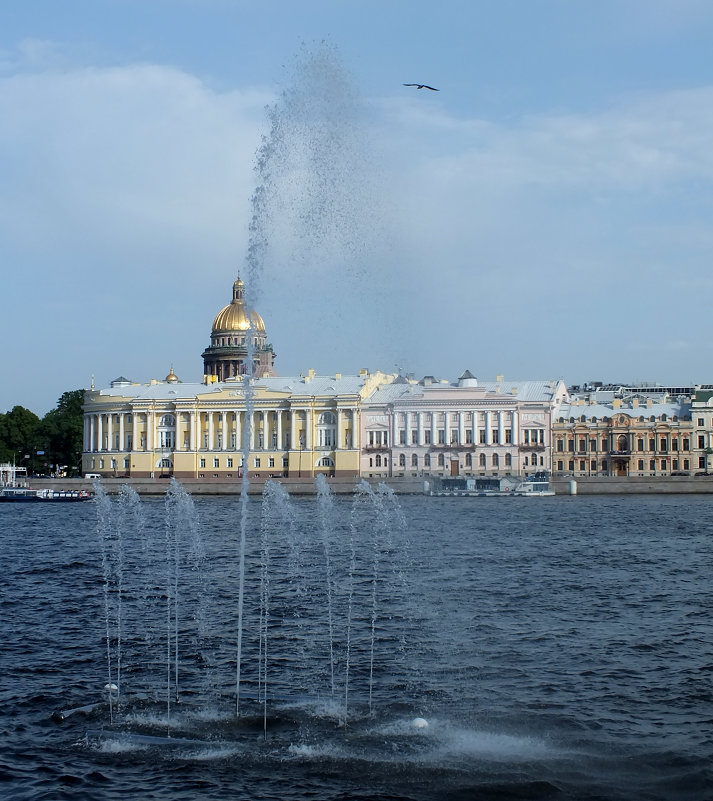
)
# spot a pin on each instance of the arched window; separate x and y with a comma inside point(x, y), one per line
point(496, 460)
point(378, 460)
point(402, 460)
point(508, 460)
point(327, 430)
point(481, 460)
point(441, 460)
point(427, 460)
point(414, 460)
point(167, 432)
point(325, 461)
point(469, 460)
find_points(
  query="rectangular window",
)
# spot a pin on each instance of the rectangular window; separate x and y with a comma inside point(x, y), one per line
point(230, 461)
point(271, 462)
point(592, 445)
point(701, 441)
point(604, 465)
point(257, 461)
point(701, 421)
point(560, 445)
point(686, 444)
point(454, 437)
point(560, 465)
point(664, 444)
point(496, 437)
point(674, 464)
point(570, 445)
point(402, 436)
point(652, 464)
point(469, 436)
point(216, 462)
point(640, 444)
point(674, 444)
point(202, 463)
point(686, 464)
point(593, 466)
point(571, 465)
point(702, 462)
point(641, 464)
point(582, 444)
point(285, 461)
point(441, 436)
point(481, 436)
point(414, 437)
point(582, 464)
point(508, 436)
point(427, 436)
point(652, 444)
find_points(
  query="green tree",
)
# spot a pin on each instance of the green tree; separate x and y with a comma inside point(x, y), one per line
point(61, 431)
point(19, 430)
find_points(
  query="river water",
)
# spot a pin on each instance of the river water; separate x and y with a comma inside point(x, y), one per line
point(430, 648)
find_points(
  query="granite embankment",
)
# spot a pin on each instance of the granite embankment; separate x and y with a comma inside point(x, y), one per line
point(610, 485)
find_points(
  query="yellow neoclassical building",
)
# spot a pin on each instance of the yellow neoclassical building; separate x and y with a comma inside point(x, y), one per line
point(292, 427)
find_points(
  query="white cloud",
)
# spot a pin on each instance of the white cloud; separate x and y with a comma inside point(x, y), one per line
point(533, 247)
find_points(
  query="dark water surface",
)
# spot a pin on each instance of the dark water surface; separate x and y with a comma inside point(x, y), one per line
point(559, 648)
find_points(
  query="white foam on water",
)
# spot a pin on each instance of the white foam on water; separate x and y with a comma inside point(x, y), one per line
point(208, 754)
point(479, 744)
point(316, 751)
point(118, 746)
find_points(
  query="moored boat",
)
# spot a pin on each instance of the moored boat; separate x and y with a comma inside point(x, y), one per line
point(14, 489)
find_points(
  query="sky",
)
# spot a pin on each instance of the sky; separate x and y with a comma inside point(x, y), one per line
point(546, 214)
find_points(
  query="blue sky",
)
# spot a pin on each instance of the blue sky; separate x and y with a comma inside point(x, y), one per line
point(546, 214)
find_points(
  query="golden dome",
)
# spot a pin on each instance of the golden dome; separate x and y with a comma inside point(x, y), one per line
point(234, 316)
point(172, 378)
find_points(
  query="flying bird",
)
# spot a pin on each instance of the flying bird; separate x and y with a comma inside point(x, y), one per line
point(423, 86)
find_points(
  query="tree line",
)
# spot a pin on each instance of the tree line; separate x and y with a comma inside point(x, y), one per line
point(51, 444)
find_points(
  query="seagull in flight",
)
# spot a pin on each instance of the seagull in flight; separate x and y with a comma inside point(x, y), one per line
point(422, 86)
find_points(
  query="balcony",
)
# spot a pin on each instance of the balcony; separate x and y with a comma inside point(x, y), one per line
point(538, 447)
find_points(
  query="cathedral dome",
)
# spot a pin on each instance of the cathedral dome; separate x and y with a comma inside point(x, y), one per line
point(234, 316)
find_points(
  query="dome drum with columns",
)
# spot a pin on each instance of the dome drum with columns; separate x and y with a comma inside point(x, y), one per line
point(227, 355)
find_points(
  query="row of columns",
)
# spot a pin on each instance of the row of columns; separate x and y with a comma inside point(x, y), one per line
point(490, 417)
point(211, 430)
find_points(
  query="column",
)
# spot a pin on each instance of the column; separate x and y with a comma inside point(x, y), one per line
point(475, 426)
point(340, 441)
point(488, 428)
point(110, 432)
point(461, 429)
point(224, 430)
point(211, 431)
point(100, 432)
point(447, 427)
point(515, 432)
point(149, 431)
point(293, 430)
point(501, 427)
point(407, 430)
point(122, 440)
point(265, 430)
point(178, 444)
point(92, 433)
point(280, 443)
point(134, 431)
point(308, 429)
point(192, 430)
point(433, 428)
point(419, 423)
point(238, 430)
point(250, 425)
